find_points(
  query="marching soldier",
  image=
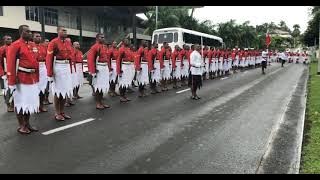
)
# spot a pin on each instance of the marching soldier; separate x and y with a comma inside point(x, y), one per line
point(78, 56)
point(164, 56)
point(113, 75)
point(99, 66)
point(40, 52)
point(154, 68)
point(176, 66)
point(206, 63)
point(3, 72)
point(46, 97)
point(58, 61)
point(125, 70)
point(69, 100)
point(141, 66)
point(185, 65)
point(23, 78)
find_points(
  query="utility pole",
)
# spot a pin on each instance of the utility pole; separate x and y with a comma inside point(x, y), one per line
point(156, 17)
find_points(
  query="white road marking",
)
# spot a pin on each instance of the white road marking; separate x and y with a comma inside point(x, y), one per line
point(183, 91)
point(67, 126)
point(224, 78)
point(245, 72)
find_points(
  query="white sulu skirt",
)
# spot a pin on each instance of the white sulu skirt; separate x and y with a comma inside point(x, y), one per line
point(206, 68)
point(225, 65)
point(26, 98)
point(101, 82)
point(220, 65)
point(177, 72)
point(113, 75)
point(166, 74)
point(43, 80)
point(62, 83)
point(143, 76)
point(185, 68)
point(229, 64)
point(79, 74)
point(127, 75)
point(236, 63)
point(74, 77)
point(156, 75)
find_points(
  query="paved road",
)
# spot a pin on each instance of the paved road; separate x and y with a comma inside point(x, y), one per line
point(230, 130)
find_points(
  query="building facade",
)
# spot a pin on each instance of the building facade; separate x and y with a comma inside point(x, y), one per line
point(82, 23)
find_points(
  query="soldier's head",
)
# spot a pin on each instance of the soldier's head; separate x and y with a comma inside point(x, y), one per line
point(62, 32)
point(197, 47)
point(36, 37)
point(155, 45)
point(46, 42)
point(25, 33)
point(7, 40)
point(176, 47)
point(187, 47)
point(165, 45)
point(76, 45)
point(126, 42)
point(192, 47)
point(114, 44)
point(100, 38)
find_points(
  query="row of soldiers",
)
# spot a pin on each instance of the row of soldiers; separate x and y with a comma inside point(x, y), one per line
point(29, 67)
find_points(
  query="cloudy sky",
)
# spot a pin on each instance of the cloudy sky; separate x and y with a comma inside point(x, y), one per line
point(256, 14)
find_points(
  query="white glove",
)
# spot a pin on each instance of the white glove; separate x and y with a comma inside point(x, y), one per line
point(4, 77)
point(152, 71)
point(12, 88)
point(50, 79)
point(138, 72)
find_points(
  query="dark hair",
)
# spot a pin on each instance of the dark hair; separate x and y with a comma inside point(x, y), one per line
point(5, 36)
point(21, 28)
point(59, 27)
point(99, 34)
point(34, 33)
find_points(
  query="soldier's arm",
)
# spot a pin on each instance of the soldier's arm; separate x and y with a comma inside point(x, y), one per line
point(11, 64)
point(49, 59)
point(119, 70)
point(1, 63)
point(92, 54)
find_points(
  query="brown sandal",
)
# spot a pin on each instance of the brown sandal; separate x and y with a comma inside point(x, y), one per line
point(23, 132)
point(59, 117)
point(65, 116)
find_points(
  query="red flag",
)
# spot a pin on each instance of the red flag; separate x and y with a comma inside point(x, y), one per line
point(268, 39)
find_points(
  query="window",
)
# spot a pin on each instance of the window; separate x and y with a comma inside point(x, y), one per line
point(167, 37)
point(191, 38)
point(1, 10)
point(51, 16)
point(32, 13)
point(175, 37)
point(155, 38)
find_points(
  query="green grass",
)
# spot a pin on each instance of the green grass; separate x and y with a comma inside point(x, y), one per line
point(310, 161)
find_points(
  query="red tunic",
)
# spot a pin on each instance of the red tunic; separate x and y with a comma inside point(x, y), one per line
point(62, 49)
point(3, 52)
point(22, 50)
point(210, 54)
point(174, 57)
point(152, 55)
point(97, 50)
point(78, 57)
point(125, 55)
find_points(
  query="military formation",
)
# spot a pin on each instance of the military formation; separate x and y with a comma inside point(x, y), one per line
point(31, 68)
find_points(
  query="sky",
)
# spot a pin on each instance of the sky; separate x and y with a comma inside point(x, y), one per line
point(256, 14)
